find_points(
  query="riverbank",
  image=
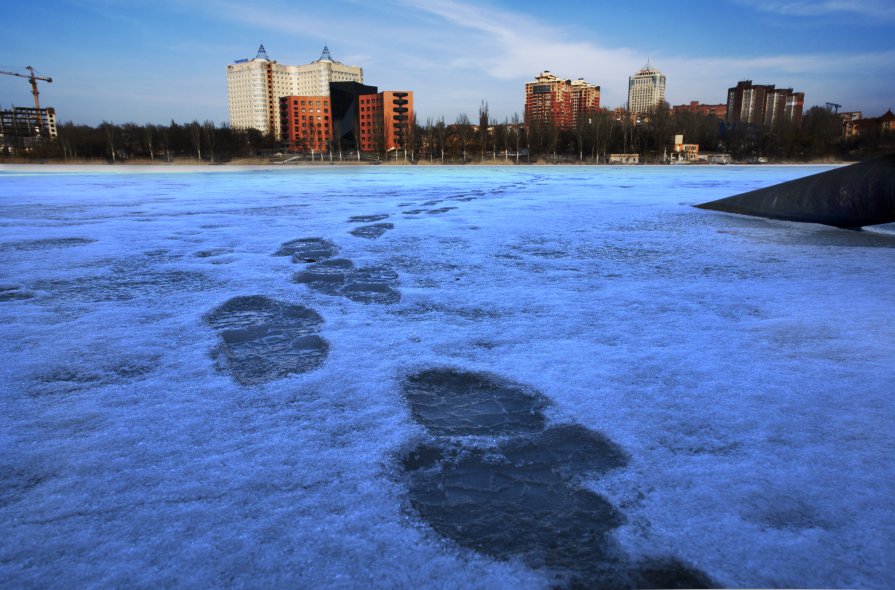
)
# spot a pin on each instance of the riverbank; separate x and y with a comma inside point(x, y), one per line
point(268, 162)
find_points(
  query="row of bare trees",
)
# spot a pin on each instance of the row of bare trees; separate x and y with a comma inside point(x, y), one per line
point(597, 134)
point(117, 143)
point(590, 139)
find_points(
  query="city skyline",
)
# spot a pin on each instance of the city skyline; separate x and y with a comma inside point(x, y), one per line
point(154, 63)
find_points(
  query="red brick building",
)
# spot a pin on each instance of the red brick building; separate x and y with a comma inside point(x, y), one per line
point(708, 110)
point(306, 123)
point(554, 101)
point(384, 121)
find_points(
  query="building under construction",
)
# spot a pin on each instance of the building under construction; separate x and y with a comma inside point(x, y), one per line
point(21, 128)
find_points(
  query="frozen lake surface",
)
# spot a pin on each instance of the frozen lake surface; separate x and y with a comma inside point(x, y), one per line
point(439, 377)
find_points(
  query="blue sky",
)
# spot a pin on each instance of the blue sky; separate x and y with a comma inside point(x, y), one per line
point(153, 61)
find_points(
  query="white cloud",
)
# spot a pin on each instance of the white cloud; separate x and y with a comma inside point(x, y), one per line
point(874, 9)
point(505, 45)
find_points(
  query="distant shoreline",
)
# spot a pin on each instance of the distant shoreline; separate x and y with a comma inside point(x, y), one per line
point(194, 165)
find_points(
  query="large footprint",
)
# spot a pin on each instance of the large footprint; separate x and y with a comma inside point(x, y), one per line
point(308, 249)
point(264, 339)
point(372, 231)
point(516, 495)
point(372, 284)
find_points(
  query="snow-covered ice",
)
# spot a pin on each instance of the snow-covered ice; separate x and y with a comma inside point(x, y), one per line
point(301, 377)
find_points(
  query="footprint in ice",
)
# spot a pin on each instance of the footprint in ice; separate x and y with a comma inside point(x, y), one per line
point(371, 284)
point(373, 231)
point(368, 218)
point(14, 293)
point(308, 250)
point(494, 478)
point(264, 339)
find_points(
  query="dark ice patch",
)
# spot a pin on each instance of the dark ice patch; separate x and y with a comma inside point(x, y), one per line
point(518, 496)
point(454, 403)
point(14, 293)
point(440, 210)
point(568, 450)
point(63, 379)
point(46, 244)
point(371, 232)
point(308, 249)
point(339, 277)
point(785, 511)
point(368, 218)
point(264, 339)
point(414, 211)
point(17, 480)
point(475, 314)
point(668, 573)
point(213, 252)
point(123, 284)
point(509, 507)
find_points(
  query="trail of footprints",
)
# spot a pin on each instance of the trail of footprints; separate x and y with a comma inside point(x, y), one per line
point(263, 339)
point(491, 474)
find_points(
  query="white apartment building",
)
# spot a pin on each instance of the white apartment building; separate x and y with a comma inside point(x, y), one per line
point(254, 87)
point(646, 89)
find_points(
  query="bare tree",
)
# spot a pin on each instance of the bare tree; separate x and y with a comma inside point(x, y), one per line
point(208, 129)
point(464, 130)
point(110, 132)
point(483, 128)
point(196, 137)
point(149, 139)
point(441, 134)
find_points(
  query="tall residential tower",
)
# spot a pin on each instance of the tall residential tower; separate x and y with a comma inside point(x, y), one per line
point(552, 100)
point(646, 90)
point(763, 104)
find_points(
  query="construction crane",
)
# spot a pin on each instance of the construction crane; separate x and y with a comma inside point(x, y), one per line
point(33, 78)
point(832, 106)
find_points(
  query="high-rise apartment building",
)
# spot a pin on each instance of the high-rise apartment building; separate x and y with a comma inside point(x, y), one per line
point(646, 90)
point(550, 99)
point(764, 104)
point(255, 86)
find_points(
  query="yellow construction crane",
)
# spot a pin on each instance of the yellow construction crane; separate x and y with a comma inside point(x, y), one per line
point(33, 78)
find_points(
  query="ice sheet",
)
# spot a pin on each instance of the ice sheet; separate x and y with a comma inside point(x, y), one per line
point(743, 367)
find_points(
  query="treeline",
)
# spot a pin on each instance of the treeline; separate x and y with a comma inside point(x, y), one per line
point(164, 143)
point(590, 140)
point(598, 134)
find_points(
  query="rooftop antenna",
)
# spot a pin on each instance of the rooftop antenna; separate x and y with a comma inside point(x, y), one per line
point(262, 53)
